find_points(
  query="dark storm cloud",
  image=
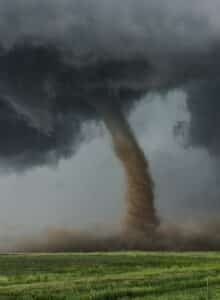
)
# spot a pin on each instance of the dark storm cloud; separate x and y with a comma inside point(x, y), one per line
point(60, 60)
point(25, 146)
point(204, 105)
point(45, 100)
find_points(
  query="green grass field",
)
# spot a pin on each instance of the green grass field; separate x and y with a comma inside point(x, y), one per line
point(122, 275)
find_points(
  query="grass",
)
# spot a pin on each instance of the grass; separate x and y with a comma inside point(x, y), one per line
point(107, 276)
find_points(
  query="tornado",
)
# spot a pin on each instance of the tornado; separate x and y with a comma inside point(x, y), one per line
point(140, 213)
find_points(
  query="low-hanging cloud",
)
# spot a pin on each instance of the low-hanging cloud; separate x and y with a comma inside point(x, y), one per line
point(60, 59)
point(203, 103)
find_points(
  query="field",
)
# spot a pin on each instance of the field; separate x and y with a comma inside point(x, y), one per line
point(122, 275)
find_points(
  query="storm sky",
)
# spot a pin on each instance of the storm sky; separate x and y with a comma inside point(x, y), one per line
point(156, 61)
